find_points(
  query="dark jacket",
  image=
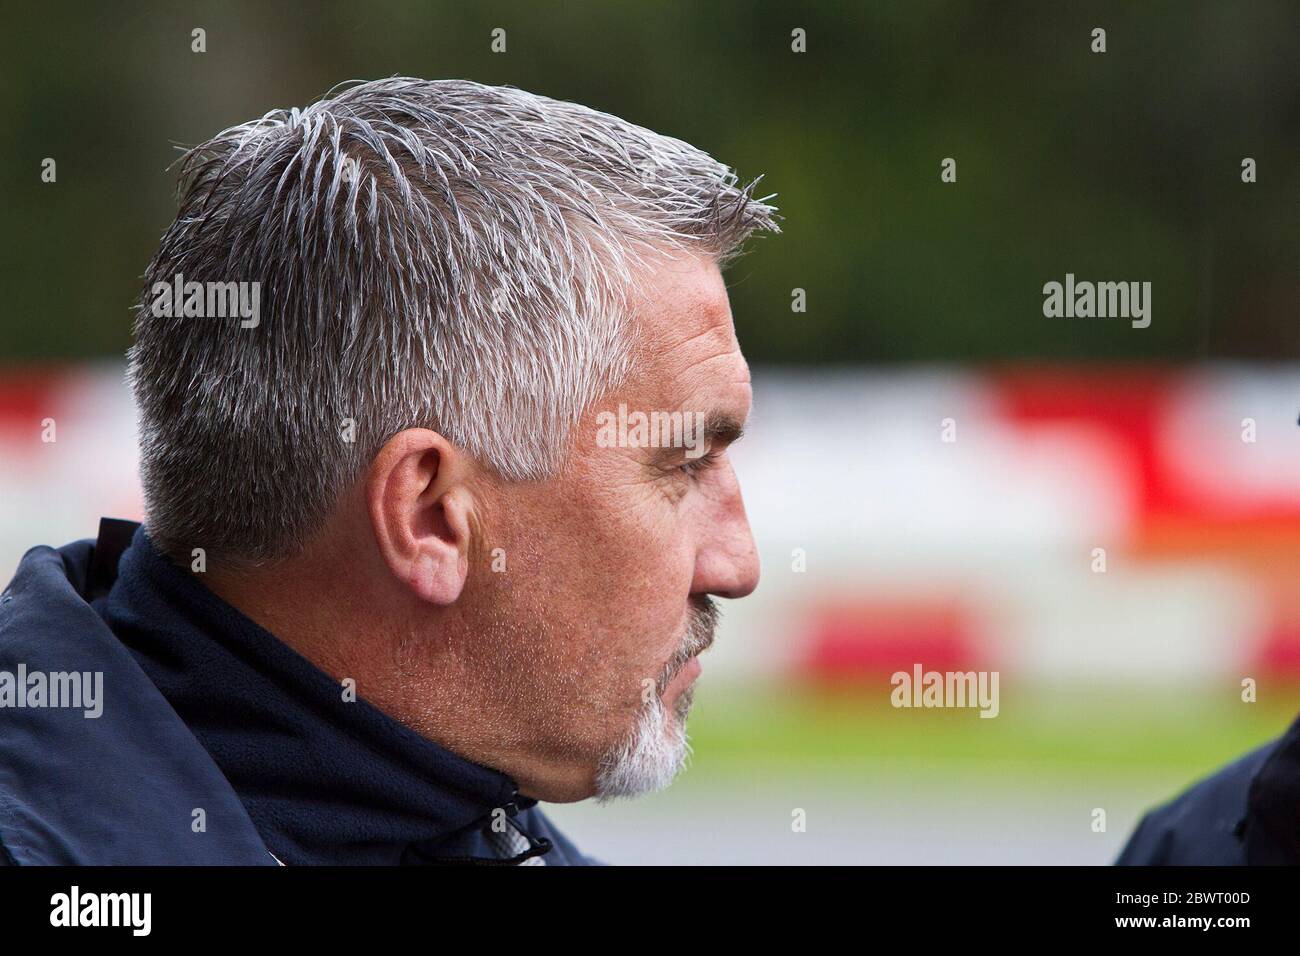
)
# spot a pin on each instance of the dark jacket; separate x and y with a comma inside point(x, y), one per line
point(217, 743)
point(1247, 813)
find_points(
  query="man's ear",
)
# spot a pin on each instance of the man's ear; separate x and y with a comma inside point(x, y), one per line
point(420, 507)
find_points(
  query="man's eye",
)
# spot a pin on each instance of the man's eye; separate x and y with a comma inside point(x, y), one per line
point(694, 466)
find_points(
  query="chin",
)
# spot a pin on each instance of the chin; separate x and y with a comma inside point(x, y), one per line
point(651, 755)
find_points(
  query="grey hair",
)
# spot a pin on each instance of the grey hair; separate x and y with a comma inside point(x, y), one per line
point(436, 254)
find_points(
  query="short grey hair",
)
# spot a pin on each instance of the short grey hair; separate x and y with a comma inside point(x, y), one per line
point(436, 254)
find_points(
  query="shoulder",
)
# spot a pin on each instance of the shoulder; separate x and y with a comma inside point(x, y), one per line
point(95, 766)
point(1202, 826)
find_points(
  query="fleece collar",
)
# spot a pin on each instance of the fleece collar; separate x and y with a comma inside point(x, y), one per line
point(325, 780)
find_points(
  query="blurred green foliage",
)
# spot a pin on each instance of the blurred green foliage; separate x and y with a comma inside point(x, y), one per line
point(1116, 166)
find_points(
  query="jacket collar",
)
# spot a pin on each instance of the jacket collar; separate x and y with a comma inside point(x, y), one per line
point(324, 779)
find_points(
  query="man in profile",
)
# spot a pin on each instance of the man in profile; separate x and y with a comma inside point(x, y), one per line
point(391, 591)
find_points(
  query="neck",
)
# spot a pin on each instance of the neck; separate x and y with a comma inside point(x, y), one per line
point(421, 681)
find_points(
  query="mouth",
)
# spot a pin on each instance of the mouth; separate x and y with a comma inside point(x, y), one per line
point(683, 678)
point(685, 666)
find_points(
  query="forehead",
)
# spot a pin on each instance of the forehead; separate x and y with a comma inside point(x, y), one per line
point(686, 340)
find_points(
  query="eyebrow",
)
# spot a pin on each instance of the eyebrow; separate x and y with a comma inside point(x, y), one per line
point(720, 428)
point(723, 428)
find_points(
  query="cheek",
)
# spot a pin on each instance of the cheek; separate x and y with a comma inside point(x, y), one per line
point(609, 567)
point(649, 614)
point(644, 561)
point(626, 602)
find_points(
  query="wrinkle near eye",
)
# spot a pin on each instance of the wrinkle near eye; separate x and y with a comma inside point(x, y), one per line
point(676, 485)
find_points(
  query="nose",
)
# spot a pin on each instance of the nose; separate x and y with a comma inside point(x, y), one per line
point(726, 561)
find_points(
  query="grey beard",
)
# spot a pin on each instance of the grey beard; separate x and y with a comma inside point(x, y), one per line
point(657, 749)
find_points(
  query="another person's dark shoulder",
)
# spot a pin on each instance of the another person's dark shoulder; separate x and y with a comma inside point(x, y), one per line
point(1205, 825)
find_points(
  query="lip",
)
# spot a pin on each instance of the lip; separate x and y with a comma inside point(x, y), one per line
point(684, 677)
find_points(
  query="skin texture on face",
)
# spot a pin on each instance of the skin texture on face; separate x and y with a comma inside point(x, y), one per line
point(529, 626)
point(625, 545)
